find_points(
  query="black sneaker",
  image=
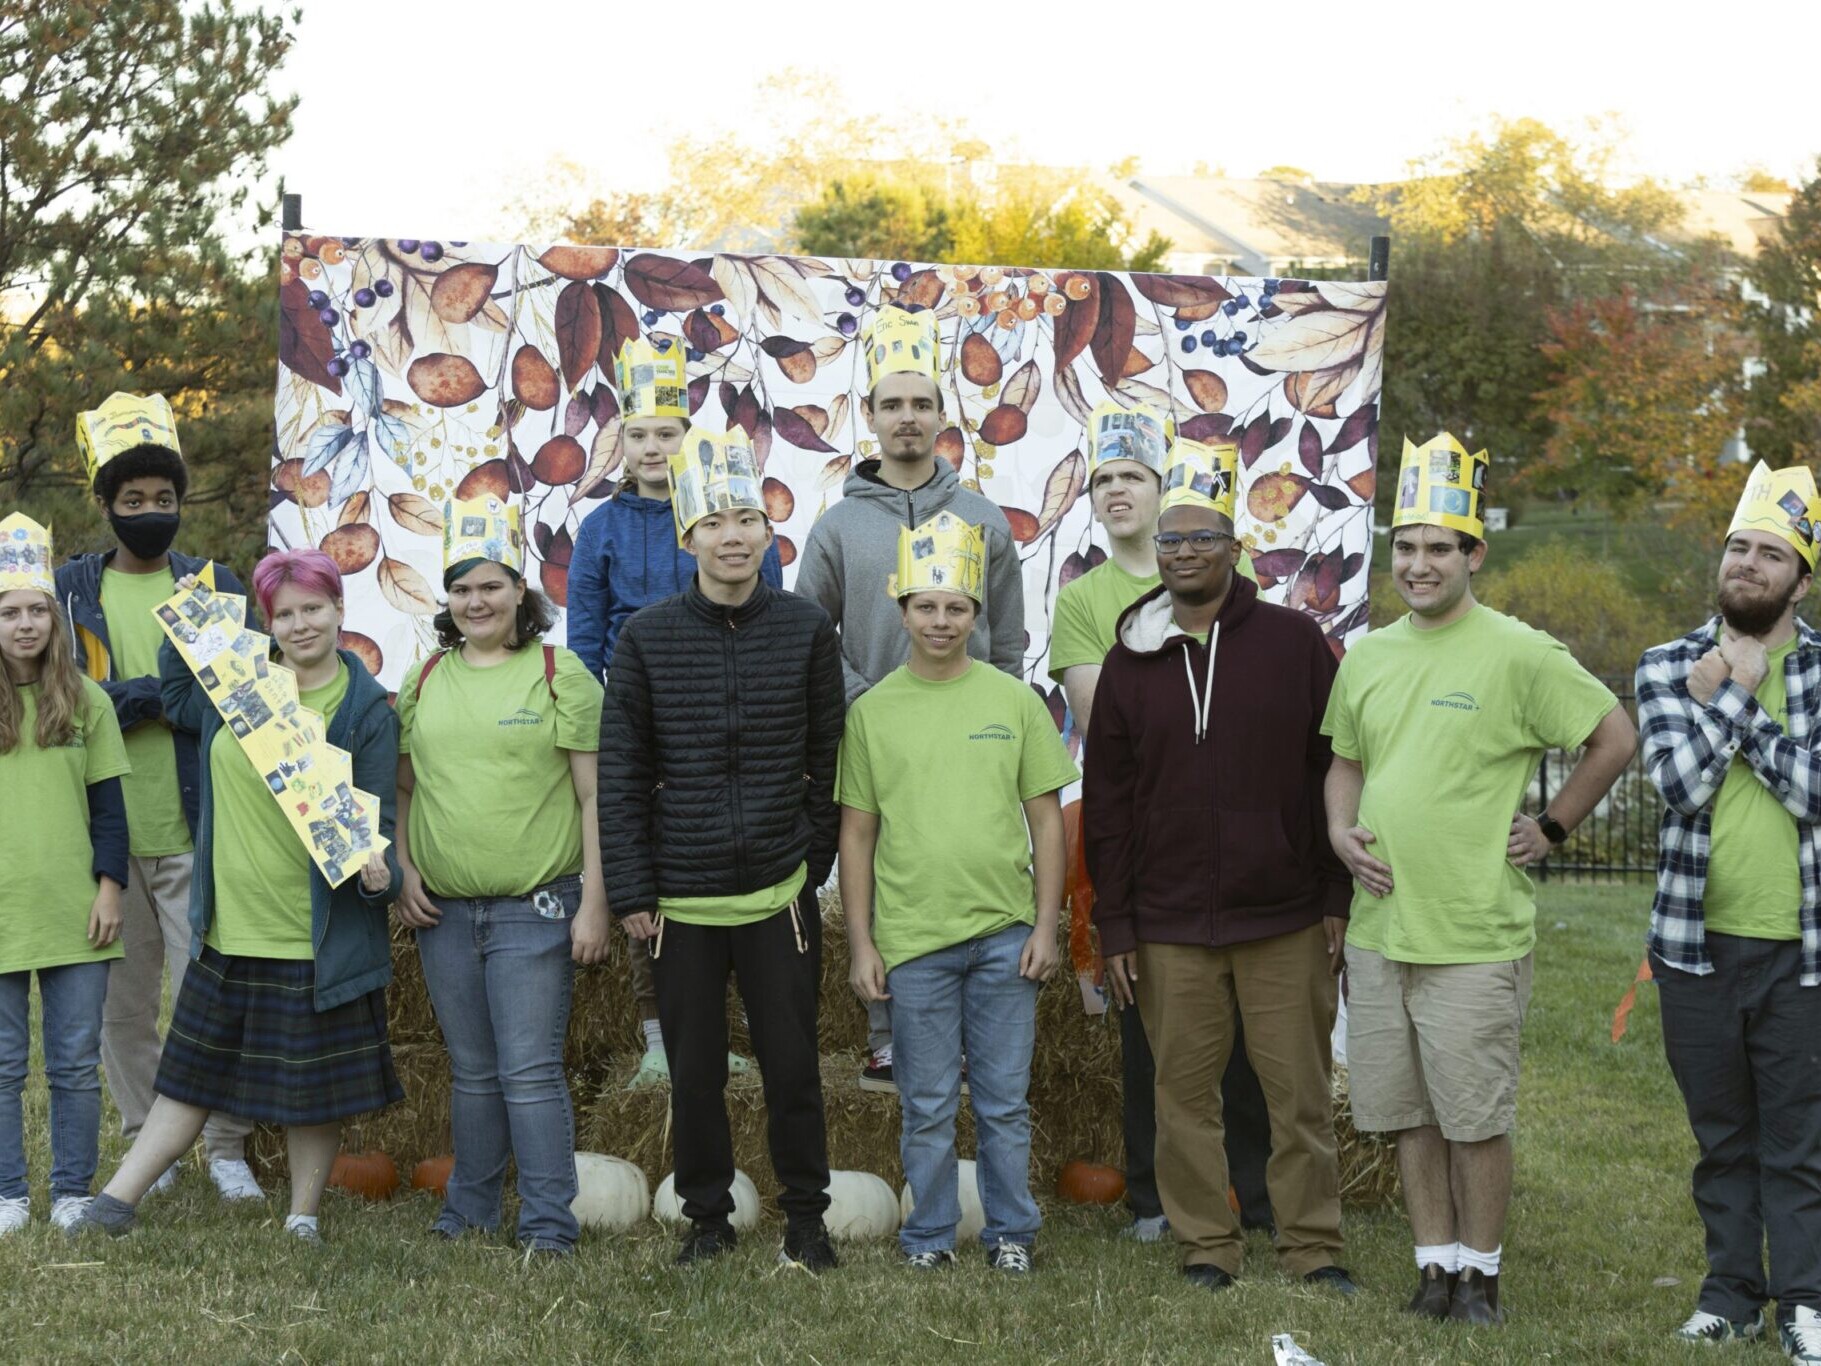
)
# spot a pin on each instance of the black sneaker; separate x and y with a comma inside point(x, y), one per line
point(1207, 1276)
point(1434, 1293)
point(706, 1241)
point(1335, 1278)
point(1012, 1258)
point(1705, 1327)
point(808, 1248)
point(936, 1259)
point(877, 1074)
point(1476, 1299)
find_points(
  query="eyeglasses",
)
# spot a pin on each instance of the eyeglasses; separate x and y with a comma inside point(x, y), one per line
point(1169, 543)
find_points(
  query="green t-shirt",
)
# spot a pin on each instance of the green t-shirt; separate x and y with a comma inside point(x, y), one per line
point(47, 893)
point(946, 768)
point(1086, 617)
point(735, 910)
point(154, 806)
point(261, 868)
point(1449, 725)
point(493, 812)
point(1754, 878)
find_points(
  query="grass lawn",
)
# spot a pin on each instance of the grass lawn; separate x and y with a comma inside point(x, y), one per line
point(1602, 1260)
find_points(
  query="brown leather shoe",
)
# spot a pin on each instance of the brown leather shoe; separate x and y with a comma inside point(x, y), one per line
point(1476, 1299)
point(1433, 1294)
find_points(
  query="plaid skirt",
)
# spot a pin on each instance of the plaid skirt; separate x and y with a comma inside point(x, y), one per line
point(246, 1039)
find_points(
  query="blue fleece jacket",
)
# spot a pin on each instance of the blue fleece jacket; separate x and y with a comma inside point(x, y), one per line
point(353, 949)
point(626, 557)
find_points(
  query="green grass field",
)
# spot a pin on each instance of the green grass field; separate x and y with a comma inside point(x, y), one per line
point(1602, 1261)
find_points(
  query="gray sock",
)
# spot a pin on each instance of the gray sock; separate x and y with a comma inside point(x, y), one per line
point(113, 1217)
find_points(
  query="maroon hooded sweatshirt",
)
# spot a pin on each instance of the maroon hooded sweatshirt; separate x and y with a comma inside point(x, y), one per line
point(1202, 798)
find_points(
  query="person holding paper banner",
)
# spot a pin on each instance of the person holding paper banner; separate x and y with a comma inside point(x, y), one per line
point(61, 759)
point(496, 783)
point(1218, 900)
point(1127, 451)
point(1438, 723)
point(282, 1015)
point(1729, 717)
point(136, 471)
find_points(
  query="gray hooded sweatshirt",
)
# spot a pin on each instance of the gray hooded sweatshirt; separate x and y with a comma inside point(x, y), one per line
point(853, 550)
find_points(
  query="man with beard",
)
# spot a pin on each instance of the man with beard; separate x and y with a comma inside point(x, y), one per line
point(1438, 723)
point(1729, 718)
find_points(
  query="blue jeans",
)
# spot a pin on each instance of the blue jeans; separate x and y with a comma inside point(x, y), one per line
point(72, 997)
point(969, 997)
point(500, 979)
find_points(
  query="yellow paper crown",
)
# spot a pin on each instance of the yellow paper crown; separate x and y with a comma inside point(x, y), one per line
point(1781, 503)
point(121, 423)
point(483, 528)
point(651, 382)
point(714, 472)
point(1440, 484)
point(1202, 476)
point(944, 553)
point(25, 555)
point(1138, 433)
point(899, 340)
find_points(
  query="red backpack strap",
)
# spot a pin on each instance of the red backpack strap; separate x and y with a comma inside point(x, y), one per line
point(424, 673)
point(550, 670)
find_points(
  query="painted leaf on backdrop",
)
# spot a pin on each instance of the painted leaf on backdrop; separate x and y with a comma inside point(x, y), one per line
point(364, 385)
point(666, 283)
point(834, 472)
point(1061, 489)
point(577, 413)
point(352, 547)
point(815, 416)
point(838, 408)
point(1137, 363)
point(1330, 497)
point(827, 348)
point(1358, 426)
point(407, 590)
point(923, 289)
point(1180, 291)
point(462, 291)
point(1068, 393)
point(445, 381)
point(1311, 390)
point(1317, 584)
point(351, 469)
point(1372, 361)
point(579, 263)
point(1308, 448)
point(366, 648)
point(554, 579)
point(1276, 565)
point(1208, 389)
point(1254, 438)
point(1022, 389)
point(1114, 330)
point(416, 513)
point(559, 461)
point(355, 509)
point(619, 325)
point(796, 429)
point(1272, 496)
point(707, 331)
point(1312, 341)
point(797, 359)
point(980, 363)
point(761, 440)
point(1365, 484)
point(780, 502)
point(1076, 324)
point(1137, 391)
point(1024, 526)
point(603, 460)
point(1207, 427)
point(392, 436)
point(1004, 425)
point(487, 477)
point(326, 442)
point(1348, 294)
point(951, 446)
point(578, 330)
point(305, 345)
point(698, 393)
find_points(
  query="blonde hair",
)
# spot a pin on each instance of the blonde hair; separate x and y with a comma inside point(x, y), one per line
point(59, 693)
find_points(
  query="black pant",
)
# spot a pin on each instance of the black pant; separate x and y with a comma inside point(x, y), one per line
point(1744, 1044)
point(1248, 1126)
point(778, 986)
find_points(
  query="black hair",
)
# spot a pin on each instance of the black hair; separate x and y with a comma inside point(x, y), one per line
point(535, 617)
point(1468, 544)
point(144, 461)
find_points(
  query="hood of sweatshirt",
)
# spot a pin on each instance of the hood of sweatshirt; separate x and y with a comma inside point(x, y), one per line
point(927, 499)
point(1148, 628)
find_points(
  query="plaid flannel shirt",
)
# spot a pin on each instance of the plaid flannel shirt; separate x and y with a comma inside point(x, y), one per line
point(1688, 748)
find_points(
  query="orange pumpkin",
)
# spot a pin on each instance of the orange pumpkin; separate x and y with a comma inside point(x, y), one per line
point(432, 1174)
point(372, 1176)
point(1090, 1183)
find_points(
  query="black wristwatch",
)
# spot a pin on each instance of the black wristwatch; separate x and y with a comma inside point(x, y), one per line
point(1551, 828)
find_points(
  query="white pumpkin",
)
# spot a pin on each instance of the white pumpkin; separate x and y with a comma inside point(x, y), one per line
point(860, 1206)
point(973, 1217)
point(611, 1193)
point(668, 1209)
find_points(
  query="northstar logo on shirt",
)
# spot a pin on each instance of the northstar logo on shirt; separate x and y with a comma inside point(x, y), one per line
point(1458, 701)
point(994, 732)
point(524, 716)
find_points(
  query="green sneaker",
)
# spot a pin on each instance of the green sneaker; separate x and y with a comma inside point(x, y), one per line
point(654, 1070)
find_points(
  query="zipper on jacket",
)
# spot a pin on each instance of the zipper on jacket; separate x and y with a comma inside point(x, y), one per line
point(733, 751)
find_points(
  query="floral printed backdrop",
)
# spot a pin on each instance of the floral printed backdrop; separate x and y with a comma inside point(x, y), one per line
point(415, 371)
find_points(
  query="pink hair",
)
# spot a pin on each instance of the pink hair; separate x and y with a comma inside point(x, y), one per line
point(311, 570)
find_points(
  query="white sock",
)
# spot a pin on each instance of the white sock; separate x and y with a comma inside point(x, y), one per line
point(297, 1221)
point(1486, 1263)
point(1445, 1255)
point(654, 1035)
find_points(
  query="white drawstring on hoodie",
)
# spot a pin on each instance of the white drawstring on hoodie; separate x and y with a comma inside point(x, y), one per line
point(1200, 702)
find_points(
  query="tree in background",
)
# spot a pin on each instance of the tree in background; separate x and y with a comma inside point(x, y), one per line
point(878, 220)
point(1783, 405)
point(132, 130)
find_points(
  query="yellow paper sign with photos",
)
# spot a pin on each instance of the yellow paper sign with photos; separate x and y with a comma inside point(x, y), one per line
point(1201, 475)
point(311, 780)
point(944, 553)
point(713, 472)
point(902, 341)
point(1781, 503)
point(1439, 484)
point(651, 379)
point(25, 555)
point(121, 423)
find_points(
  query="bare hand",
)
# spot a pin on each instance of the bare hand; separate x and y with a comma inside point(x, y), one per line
point(1369, 872)
point(1709, 672)
point(1120, 970)
point(1526, 843)
point(187, 582)
point(640, 925)
point(1748, 659)
point(414, 907)
point(866, 974)
point(374, 875)
point(1040, 956)
point(1334, 928)
point(591, 929)
point(104, 915)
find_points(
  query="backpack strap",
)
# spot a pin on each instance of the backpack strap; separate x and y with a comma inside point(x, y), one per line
point(424, 673)
point(437, 658)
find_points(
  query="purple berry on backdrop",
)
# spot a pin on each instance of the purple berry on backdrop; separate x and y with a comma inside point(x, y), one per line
point(383, 288)
point(364, 297)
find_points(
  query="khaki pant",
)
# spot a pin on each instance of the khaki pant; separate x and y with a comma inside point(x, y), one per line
point(155, 935)
point(1284, 994)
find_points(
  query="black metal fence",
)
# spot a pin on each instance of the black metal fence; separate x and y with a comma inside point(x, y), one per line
point(1619, 840)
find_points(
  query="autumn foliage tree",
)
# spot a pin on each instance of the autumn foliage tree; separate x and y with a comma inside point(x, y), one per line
point(1783, 407)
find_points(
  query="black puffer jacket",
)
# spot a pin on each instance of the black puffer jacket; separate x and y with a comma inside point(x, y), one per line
point(718, 746)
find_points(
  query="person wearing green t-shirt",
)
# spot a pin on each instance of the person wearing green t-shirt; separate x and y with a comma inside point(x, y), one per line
point(496, 789)
point(951, 885)
point(282, 1015)
point(718, 824)
point(139, 480)
point(1438, 722)
point(1729, 716)
point(61, 761)
point(1126, 453)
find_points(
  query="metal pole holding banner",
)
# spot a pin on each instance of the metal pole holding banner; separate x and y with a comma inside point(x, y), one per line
point(1378, 259)
point(291, 214)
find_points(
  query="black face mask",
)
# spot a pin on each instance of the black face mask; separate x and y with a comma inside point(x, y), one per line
point(147, 534)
